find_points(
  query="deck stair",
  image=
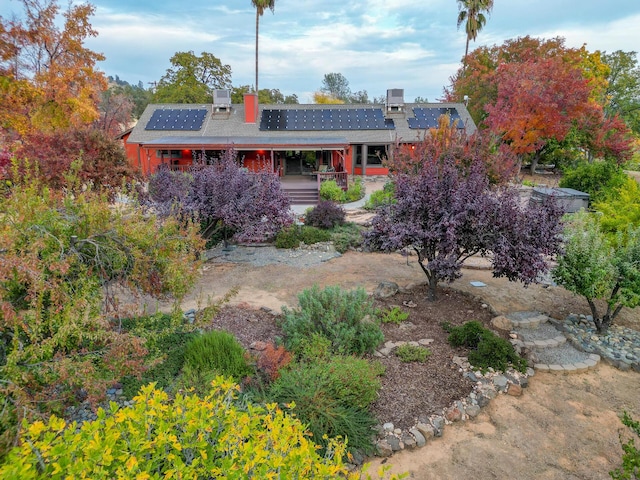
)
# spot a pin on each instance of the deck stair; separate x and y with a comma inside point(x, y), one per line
point(302, 191)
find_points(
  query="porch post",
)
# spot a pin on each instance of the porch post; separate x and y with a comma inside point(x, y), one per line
point(365, 154)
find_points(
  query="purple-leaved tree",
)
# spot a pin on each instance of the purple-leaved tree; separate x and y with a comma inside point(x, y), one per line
point(447, 213)
point(227, 200)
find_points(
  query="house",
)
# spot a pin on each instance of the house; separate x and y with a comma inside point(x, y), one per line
point(289, 140)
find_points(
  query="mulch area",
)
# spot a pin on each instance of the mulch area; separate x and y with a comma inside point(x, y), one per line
point(410, 391)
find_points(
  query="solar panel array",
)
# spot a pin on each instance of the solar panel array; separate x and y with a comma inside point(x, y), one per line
point(427, 117)
point(325, 119)
point(177, 119)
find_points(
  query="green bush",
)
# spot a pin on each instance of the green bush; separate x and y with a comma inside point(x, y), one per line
point(182, 437)
point(598, 179)
point(385, 196)
point(412, 353)
point(394, 315)
point(217, 351)
point(331, 398)
point(288, 238)
point(346, 236)
point(347, 318)
point(355, 191)
point(330, 190)
point(291, 237)
point(630, 468)
point(313, 348)
point(488, 349)
point(311, 235)
point(468, 335)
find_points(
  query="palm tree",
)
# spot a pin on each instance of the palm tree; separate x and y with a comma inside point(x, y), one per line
point(260, 6)
point(471, 11)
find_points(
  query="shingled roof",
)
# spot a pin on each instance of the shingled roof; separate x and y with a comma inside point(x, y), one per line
point(280, 126)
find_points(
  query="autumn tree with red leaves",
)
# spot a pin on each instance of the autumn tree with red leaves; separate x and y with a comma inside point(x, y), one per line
point(536, 101)
point(542, 97)
point(104, 163)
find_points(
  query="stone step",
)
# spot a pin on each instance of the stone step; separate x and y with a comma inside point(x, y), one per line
point(527, 319)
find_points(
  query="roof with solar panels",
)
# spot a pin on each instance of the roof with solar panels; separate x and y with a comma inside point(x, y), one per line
point(224, 123)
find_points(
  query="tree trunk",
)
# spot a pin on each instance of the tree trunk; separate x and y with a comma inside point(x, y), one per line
point(534, 163)
point(466, 52)
point(257, 23)
point(432, 295)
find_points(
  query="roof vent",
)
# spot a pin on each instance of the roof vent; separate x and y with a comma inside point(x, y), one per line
point(395, 99)
point(221, 100)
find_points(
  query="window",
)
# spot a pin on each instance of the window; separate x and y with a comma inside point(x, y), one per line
point(169, 153)
point(376, 154)
point(357, 155)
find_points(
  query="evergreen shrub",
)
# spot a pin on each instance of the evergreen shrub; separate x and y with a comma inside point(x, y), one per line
point(347, 318)
point(217, 351)
point(332, 398)
point(487, 349)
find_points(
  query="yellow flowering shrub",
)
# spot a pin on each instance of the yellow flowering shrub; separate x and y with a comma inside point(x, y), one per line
point(183, 438)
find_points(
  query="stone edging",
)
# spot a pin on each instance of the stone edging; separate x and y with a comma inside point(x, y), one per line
point(486, 387)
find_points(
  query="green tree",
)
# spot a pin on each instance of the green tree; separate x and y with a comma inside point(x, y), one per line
point(260, 6)
point(266, 96)
point(192, 79)
point(336, 86)
point(471, 13)
point(623, 88)
point(592, 268)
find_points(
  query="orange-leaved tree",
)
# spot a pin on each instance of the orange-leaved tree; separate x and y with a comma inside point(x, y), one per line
point(63, 84)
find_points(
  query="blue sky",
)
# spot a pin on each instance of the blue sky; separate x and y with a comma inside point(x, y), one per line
point(376, 45)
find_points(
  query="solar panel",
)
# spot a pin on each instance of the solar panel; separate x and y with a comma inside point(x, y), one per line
point(177, 119)
point(427, 117)
point(325, 119)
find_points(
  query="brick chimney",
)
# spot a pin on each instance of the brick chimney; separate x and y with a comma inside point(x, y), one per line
point(250, 107)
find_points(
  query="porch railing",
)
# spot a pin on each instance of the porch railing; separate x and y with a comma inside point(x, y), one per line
point(341, 178)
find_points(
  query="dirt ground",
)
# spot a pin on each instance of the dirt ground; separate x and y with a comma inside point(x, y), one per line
point(563, 427)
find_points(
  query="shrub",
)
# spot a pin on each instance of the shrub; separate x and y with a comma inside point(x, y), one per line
point(394, 315)
point(272, 359)
point(219, 352)
point(326, 214)
point(488, 350)
point(288, 238)
point(184, 437)
point(346, 236)
point(468, 335)
point(311, 235)
point(346, 318)
point(332, 398)
point(630, 468)
point(598, 179)
point(313, 348)
point(330, 190)
point(381, 197)
point(355, 191)
point(412, 353)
